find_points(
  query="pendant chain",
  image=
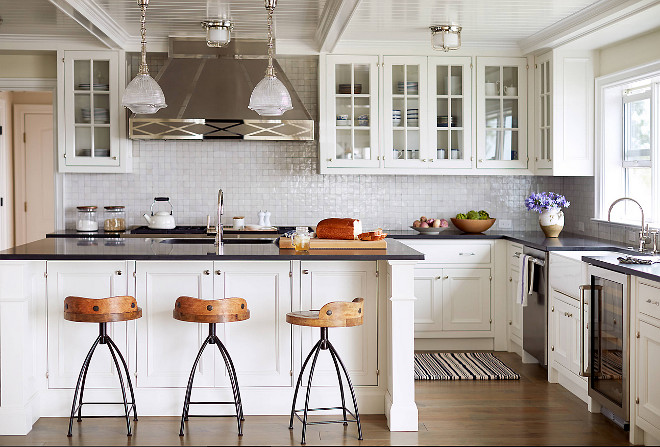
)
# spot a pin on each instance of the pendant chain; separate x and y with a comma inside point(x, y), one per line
point(270, 71)
point(143, 32)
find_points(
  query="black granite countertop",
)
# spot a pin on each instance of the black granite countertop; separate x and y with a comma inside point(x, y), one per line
point(534, 239)
point(651, 272)
point(154, 249)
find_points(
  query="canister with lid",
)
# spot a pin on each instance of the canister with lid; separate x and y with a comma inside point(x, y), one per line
point(87, 220)
point(115, 218)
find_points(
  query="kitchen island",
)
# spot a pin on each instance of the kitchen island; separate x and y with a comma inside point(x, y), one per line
point(41, 353)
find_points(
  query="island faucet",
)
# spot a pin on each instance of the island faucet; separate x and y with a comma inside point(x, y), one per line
point(218, 232)
point(644, 230)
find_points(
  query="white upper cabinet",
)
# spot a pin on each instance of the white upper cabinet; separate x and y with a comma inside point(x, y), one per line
point(501, 113)
point(405, 112)
point(91, 120)
point(564, 111)
point(349, 113)
point(450, 112)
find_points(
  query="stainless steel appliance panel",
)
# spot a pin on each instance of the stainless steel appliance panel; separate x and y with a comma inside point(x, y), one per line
point(535, 314)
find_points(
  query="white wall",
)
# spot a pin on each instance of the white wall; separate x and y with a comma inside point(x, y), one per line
point(630, 53)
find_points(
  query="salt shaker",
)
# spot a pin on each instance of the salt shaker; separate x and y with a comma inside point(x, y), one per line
point(267, 219)
point(262, 216)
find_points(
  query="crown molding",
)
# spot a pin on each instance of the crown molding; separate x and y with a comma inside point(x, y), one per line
point(31, 42)
point(584, 22)
point(95, 20)
point(333, 22)
point(423, 48)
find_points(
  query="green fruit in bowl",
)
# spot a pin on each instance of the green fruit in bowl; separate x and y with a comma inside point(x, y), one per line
point(473, 215)
point(461, 216)
point(483, 215)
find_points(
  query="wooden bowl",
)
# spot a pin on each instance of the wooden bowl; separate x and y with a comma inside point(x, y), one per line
point(472, 225)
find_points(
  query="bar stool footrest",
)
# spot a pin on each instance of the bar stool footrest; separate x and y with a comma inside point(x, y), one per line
point(348, 412)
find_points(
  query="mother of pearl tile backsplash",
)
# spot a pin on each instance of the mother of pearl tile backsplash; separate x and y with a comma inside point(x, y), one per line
point(282, 177)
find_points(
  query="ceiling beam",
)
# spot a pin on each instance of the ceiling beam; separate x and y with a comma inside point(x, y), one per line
point(584, 22)
point(95, 20)
point(334, 19)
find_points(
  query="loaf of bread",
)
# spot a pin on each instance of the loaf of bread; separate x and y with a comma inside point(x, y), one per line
point(336, 228)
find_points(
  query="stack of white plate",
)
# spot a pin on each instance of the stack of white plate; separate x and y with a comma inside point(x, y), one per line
point(412, 117)
point(396, 117)
point(101, 115)
point(411, 87)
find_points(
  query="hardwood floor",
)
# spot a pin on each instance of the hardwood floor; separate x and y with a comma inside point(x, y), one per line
point(529, 411)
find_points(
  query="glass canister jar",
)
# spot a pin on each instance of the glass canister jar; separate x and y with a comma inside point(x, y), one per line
point(87, 220)
point(301, 239)
point(115, 219)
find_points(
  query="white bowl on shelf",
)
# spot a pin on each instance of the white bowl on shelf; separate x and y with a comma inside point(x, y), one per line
point(429, 230)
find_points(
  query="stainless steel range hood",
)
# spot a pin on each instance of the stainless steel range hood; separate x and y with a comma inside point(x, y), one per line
point(208, 91)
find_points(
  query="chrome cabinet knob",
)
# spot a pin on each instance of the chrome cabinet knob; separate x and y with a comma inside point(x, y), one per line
point(118, 273)
point(207, 272)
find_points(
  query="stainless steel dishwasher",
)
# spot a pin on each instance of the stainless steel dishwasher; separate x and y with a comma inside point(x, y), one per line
point(535, 314)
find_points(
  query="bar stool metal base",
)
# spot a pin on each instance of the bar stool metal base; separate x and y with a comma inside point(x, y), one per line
point(324, 345)
point(212, 339)
point(103, 339)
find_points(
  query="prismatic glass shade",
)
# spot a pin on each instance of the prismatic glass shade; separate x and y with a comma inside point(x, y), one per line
point(270, 97)
point(143, 95)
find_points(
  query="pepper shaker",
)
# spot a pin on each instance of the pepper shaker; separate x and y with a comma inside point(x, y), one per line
point(262, 216)
point(267, 219)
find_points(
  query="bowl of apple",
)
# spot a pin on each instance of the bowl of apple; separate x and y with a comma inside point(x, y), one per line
point(429, 226)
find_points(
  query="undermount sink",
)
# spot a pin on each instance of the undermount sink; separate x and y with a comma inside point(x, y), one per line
point(212, 241)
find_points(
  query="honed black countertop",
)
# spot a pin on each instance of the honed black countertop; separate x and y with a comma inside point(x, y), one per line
point(534, 239)
point(651, 272)
point(154, 249)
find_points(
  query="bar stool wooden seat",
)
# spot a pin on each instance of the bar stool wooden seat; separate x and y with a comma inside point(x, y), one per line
point(227, 310)
point(102, 311)
point(335, 314)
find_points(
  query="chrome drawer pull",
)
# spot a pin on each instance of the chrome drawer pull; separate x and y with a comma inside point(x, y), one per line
point(466, 254)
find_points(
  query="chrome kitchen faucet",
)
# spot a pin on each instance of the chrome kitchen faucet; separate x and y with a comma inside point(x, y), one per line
point(644, 232)
point(218, 232)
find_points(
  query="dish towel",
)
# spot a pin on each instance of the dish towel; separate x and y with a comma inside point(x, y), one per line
point(526, 280)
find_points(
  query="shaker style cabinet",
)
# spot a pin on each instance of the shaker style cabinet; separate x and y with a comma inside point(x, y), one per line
point(69, 341)
point(564, 111)
point(501, 113)
point(565, 320)
point(349, 117)
point(323, 282)
point(92, 131)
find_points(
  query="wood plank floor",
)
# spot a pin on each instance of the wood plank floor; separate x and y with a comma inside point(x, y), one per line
point(529, 411)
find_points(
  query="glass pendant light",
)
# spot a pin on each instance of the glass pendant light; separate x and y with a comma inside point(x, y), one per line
point(143, 95)
point(270, 97)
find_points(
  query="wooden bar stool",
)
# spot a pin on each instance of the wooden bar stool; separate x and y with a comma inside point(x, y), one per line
point(226, 310)
point(102, 311)
point(335, 314)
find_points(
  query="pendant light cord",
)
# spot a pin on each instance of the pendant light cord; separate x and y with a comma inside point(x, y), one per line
point(270, 71)
point(143, 32)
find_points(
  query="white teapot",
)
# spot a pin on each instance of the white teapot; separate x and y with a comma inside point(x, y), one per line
point(162, 220)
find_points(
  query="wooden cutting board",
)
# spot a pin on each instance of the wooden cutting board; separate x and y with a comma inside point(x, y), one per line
point(317, 243)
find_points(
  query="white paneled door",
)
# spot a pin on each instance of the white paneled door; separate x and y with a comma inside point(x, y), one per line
point(466, 299)
point(166, 348)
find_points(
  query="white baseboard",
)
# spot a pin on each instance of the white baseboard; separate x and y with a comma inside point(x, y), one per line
point(454, 344)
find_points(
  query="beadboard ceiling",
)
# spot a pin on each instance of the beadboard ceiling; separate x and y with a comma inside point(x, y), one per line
point(311, 24)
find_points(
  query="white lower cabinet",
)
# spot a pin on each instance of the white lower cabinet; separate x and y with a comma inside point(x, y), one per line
point(565, 320)
point(323, 282)
point(514, 308)
point(166, 348)
point(466, 299)
point(648, 386)
point(68, 341)
point(261, 346)
point(428, 307)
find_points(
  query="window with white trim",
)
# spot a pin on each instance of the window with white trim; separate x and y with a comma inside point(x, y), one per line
point(628, 130)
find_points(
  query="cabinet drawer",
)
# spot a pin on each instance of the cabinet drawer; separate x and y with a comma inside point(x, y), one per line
point(566, 275)
point(514, 252)
point(649, 300)
point(454, 254)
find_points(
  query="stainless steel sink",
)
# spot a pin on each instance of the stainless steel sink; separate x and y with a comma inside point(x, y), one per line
point(211, 241)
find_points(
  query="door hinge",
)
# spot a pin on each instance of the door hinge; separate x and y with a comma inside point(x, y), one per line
point(378, 372)
point(64, 155)
point(25, 206)
point(24, 137)
point(637, 401)
point(552, 309)
point(134, 275)
point(0, 130)
point(291, 373)
point(490, 277)
point(637, 334)
point(135, 373)
point(290, 274)
point(527, 66)
point(47, 375)
point(376, 273)
point(552, 348)
point(491, 321)
point(62, 60)
point(536, 65)
point(471, 66)
point(45, 274)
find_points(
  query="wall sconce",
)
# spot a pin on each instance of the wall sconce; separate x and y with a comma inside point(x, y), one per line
point(218, 32)
point(446, 37)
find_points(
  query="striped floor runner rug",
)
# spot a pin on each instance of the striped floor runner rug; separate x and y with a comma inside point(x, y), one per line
point(461, 366)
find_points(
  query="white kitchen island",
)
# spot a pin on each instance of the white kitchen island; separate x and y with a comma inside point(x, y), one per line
point(41, 353)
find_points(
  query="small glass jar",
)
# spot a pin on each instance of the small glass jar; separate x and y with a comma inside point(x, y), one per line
point(87, 220)
point(115, 219)
point(301, 239)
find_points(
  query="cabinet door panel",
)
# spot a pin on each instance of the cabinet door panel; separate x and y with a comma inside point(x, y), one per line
point(68, 341)
point(466, 300)
point(261, 346)
point(357, 346)
point(428, 303)
point(648, 359)
point(566, 322)
point(515, 313)
point(167, 347)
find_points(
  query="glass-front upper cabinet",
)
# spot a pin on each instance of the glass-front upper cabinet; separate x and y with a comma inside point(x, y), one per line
point(450, 116)
point(543, 103)
point(501, 113)
point(91, 109)
point(350, 124)
point(405, 106)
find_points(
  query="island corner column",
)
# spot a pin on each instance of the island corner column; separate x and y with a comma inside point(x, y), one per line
point(400, 406)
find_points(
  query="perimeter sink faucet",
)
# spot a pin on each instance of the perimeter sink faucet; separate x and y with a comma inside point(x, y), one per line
point(218, 232)
point(644, 232)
